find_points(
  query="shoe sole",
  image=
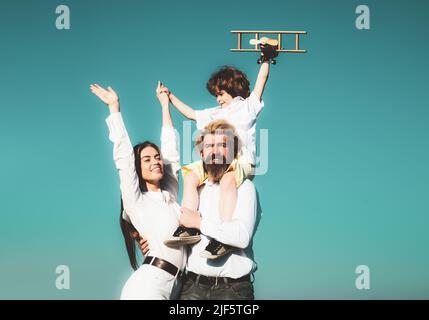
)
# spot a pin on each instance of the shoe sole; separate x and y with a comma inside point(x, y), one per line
point(182, 242)
point(209, 256)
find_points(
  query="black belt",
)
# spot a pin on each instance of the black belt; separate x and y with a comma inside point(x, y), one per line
point(210, 281)
point(164, 265)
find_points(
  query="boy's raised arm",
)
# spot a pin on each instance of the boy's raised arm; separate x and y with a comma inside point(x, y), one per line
point(183, 108)
point(262, 79)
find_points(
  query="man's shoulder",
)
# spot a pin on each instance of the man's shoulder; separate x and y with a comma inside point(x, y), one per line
point(247, 186)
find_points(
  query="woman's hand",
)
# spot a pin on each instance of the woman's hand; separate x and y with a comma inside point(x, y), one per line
point(109, 96)
point(142, 242)
point(162, 93)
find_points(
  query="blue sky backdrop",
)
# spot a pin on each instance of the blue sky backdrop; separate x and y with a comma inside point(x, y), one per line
point(347, 183)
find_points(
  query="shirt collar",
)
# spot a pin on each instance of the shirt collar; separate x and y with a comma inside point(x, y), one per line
point(209, 183)
point(237, 98)
point(234, 101)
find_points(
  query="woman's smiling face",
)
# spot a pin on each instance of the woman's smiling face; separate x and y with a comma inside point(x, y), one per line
point(152, 165)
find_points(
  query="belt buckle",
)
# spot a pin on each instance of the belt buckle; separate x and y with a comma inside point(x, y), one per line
point(152, 261)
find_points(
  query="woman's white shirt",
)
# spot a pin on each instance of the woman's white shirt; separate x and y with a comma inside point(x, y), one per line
point(155, 215)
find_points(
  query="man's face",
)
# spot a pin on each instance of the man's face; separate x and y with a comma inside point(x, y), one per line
point(218, 149)
point(217, 153)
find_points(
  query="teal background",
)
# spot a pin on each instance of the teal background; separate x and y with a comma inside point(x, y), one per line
point(348, 139)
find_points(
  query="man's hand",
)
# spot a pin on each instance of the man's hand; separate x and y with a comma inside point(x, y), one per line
point(190, 218)
point(143, 244)
point(108, 96)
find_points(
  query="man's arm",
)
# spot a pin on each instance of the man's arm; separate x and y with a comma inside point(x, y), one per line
point(262, 79)
point(183, 108)
point(237, 232)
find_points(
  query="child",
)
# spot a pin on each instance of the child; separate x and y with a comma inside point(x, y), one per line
point(240, 107)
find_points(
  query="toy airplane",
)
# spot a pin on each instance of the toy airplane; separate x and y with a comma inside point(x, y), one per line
point(269, 48)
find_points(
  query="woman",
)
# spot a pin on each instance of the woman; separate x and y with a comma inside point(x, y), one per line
point(149, 192)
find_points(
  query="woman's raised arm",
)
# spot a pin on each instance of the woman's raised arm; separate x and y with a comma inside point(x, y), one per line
point(169, 144)
point(123, 152)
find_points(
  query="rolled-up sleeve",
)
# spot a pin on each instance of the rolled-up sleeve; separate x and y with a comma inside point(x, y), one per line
point(254, 104)
point(239, 231)
point(171, 156)
point(123, 155)
point(204, 117)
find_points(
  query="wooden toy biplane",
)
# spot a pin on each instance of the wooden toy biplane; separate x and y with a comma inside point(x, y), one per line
point(269, 47)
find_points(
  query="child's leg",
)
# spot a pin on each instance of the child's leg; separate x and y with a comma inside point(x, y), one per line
point(228, 196)
point(228, 200)
point(191, 181)
point(190, 191)
point(186, 236)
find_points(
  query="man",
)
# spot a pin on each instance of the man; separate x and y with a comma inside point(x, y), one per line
point(229, 276)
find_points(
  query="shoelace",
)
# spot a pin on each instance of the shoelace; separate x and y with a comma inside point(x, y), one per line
point(179, 231)
point(213, 246)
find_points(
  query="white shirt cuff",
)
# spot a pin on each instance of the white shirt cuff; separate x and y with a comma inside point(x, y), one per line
point(208, 227)
point(116, 126)
point(201, 119)
point(167, 133)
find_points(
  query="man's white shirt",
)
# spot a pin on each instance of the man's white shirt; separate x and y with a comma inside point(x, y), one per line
point(238, 233)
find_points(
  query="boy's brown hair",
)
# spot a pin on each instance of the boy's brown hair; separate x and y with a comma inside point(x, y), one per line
point(230, 79)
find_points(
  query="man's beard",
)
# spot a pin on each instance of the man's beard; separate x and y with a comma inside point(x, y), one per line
point(215, 170)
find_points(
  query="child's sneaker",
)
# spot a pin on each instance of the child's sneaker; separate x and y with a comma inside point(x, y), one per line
point(183, 236)
point(215, 250)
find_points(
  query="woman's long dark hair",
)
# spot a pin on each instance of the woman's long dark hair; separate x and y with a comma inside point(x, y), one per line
point(127, 228)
